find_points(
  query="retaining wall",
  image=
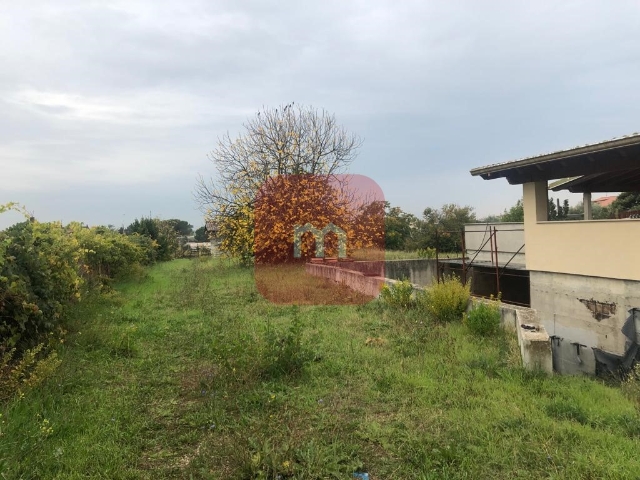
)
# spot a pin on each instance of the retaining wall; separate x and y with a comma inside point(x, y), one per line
point(358, 281)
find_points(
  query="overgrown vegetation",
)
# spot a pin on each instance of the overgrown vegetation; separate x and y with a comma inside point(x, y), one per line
point(285, 351)
point(631, 386)
point(398, 294)
point(484, 317)
point(46, 268)
point(445, 301)
point(175, 376)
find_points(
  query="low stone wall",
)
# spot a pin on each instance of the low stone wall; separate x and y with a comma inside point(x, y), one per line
point(358, 281)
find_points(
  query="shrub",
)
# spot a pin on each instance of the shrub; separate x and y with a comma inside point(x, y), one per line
point(285, 352)
point(44, 268)
point(427, 252)
point(147, 245)
point(399, 294)
point(445, 301)
point(40, 268)
point(631, 385)
point(17, 376)
point(484, 319)
point(106, 253)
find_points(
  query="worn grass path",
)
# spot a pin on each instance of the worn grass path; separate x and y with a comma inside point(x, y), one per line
point(189, 373)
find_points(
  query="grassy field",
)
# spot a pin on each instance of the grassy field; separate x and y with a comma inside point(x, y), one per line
point(190, 373)
point(414, 254)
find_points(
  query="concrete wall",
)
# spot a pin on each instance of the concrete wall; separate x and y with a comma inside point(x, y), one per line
point(420, 272)
point(598, 248)
point(581, 313)
point(533, 339)
point(370, 268)
point(357, 281)
point(510, 239)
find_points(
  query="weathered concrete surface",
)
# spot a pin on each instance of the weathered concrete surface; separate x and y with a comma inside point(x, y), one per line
point(535, 345)
point(419, 271)
point(370, 268)
point(510, 239)
point(588, 310)
point(572, 358)
point(533, 339)
point(581, 313)
point(357, 281)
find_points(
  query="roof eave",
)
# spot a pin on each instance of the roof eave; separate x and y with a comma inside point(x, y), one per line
point(490, 172)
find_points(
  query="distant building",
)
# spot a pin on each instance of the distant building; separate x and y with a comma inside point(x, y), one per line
point(211, 228)
point(605, 201)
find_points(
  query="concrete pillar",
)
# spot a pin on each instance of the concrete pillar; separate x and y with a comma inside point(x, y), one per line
point(535, 197)
point(586, 203)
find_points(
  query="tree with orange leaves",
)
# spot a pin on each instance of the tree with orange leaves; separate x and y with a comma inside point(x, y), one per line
point(288, 201)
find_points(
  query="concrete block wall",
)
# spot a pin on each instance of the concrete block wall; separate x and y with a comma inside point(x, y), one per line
point(581, 313)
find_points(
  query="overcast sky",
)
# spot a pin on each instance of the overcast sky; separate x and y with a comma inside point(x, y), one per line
point(108, 109)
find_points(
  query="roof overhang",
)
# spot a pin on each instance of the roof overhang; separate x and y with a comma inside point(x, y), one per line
point(611, 166)
point(619, 181)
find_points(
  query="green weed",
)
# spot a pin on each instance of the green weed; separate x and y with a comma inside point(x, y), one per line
point(484, 318)
point(445, 301)
point(398, 295)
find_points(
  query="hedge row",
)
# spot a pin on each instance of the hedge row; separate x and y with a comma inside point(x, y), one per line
point(46, 267)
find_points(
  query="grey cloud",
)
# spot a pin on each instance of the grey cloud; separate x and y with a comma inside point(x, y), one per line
point(127, 98)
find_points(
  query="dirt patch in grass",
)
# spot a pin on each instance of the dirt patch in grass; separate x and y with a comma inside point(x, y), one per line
point(290, 284)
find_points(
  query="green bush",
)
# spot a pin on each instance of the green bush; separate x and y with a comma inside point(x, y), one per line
point(427, 252)
point(147, 245)
point(163, 234)
point(631, 385)
point(106, 253)
point(399, 294)
point(484, 319)
point(285, 352)
point(445, 301)
point(39, 277)
point(44, 268)
point(17, 376)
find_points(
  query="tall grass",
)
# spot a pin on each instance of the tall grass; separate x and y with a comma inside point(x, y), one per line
point(190, 373)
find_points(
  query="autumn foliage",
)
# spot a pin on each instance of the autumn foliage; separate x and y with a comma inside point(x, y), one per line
point(287, 201)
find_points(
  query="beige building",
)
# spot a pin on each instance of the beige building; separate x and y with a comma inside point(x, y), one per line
point(584, 274)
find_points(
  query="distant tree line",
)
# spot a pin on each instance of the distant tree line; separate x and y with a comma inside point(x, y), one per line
point(405, 231)
point(441, 227)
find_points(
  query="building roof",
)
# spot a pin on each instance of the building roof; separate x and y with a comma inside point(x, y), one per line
point(605, 201)
point(619, 155)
